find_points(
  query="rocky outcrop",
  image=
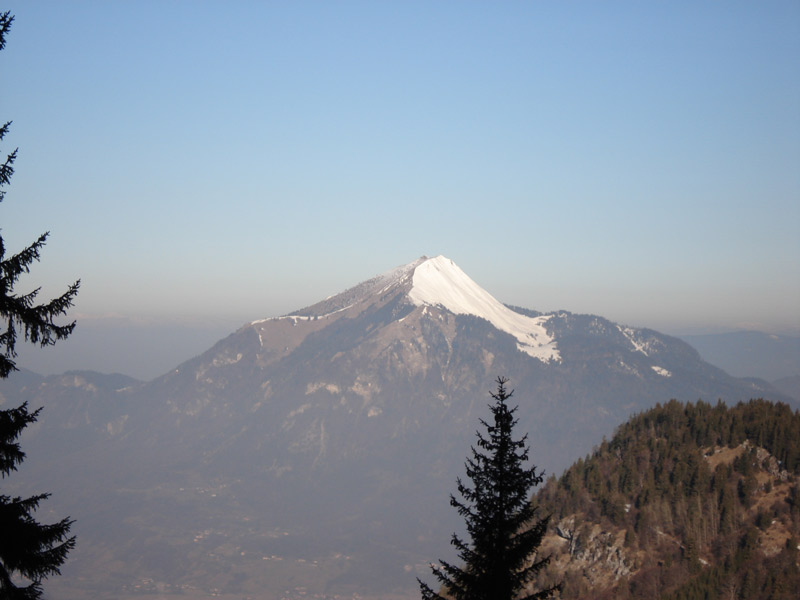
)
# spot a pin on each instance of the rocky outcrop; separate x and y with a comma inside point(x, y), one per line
point(589, 552)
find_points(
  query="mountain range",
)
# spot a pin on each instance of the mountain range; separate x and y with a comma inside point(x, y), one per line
point(313, 454)
point(775, 358)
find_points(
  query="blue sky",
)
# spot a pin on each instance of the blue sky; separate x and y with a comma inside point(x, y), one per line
point(206, 164)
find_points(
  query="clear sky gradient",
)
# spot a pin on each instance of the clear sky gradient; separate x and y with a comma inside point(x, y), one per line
point(204, 164)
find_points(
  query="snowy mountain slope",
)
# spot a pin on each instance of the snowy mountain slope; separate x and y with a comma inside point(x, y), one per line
point(433, 282)
point(364, 291)
point(439, 282)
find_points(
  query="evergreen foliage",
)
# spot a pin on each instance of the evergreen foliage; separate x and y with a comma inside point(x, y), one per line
point(20, 311)
point(707, 496)
point(501, 522)
point(29, 551)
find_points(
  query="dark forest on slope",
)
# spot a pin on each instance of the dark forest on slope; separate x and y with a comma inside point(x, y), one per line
point(686, 501)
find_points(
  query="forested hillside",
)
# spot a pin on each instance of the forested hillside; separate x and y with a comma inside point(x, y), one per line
point(686, 501)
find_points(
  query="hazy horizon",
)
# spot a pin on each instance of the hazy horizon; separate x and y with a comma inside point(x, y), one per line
point(147, 347)
point(200, 168)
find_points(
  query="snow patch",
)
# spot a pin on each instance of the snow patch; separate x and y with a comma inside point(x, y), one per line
point(638, 345)
point(295, 318)
point(440, 282)
point(661, 371)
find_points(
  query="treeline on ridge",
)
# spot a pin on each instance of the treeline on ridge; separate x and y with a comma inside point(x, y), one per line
point(705, 497)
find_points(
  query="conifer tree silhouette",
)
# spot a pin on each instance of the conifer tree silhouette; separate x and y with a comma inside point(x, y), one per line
point(501, 522)
point(29, 551)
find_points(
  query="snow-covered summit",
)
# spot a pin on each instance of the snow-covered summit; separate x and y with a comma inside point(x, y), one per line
point(439, 281)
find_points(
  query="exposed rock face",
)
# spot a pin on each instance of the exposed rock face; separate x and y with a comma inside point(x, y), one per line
point(589, 552)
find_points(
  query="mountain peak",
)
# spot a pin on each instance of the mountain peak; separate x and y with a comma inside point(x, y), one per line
point(439, 281)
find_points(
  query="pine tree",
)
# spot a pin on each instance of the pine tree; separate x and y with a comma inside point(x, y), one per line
point(21, 311)
point(501, 522)
point(29, 551)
